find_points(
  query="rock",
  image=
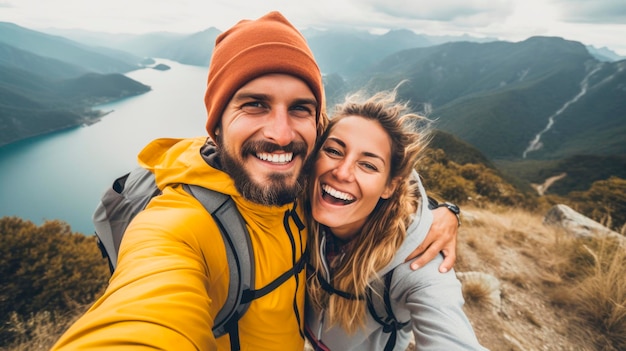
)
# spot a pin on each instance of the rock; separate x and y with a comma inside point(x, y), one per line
point(161, 67)
point(578, 224)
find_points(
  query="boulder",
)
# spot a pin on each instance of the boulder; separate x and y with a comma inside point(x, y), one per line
point(577, 224)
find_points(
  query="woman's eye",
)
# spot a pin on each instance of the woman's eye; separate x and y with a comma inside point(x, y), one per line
point(332, 151)
point(370, 166)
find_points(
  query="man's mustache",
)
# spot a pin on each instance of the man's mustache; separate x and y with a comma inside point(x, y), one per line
point(260, 146)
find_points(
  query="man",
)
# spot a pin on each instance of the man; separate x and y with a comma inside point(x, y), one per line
point(264, 101)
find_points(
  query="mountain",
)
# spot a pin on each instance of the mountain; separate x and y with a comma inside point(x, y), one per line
point(541, 99)
point(99, 60)
point(343, 52)
point(458, 150)
point(348, 52)
point(44, 66)
point(31, 105)
point(581, 171)
point(498, 96)
point(195, 49)
point(191, 49)
point(49, 83)
point(604, 54)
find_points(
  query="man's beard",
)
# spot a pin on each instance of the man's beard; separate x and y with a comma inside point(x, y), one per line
point(274, 191)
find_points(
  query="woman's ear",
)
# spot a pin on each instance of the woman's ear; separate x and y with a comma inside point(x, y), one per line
point(391, 187)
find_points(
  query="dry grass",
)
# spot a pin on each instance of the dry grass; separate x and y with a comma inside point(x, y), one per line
point(476, 293)
point(597, 291)
point(40, 331)
point(558, 292)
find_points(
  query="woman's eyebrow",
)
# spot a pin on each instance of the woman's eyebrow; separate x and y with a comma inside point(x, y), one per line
point(366, 153)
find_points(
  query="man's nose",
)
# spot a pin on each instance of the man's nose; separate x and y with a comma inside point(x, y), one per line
point(279, 128)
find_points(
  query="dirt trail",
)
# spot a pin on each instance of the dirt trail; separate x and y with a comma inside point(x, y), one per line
point(542, 188)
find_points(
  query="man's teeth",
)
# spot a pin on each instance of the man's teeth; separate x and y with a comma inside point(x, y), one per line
point(275, 158)
point(337, 194)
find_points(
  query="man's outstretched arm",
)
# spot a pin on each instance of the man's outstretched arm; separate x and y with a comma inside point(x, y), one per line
point(441, 237)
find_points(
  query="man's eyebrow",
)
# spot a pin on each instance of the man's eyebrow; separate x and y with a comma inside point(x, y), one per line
point(264, 97)
point(306, 101)
point(250, 96)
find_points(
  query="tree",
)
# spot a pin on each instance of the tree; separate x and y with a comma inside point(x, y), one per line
point(46, 268)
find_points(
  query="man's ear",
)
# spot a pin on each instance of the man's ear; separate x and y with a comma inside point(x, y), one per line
point(391, 187)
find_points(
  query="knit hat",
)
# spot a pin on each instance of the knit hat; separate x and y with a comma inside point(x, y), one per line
point(253, 48)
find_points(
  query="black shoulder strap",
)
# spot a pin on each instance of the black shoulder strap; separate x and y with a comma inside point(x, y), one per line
point(390, 323)
point(240, 257)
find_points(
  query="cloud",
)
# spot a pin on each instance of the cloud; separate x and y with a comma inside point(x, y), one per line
point(476, 11)
point(596, 11)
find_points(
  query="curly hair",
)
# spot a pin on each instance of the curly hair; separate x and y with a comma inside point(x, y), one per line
point(385, 228)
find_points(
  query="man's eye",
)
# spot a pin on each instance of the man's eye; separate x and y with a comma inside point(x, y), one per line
point(253, 107)
point(302, 110)
point(253, 104)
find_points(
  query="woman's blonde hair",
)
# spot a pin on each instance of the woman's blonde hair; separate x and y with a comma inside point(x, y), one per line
point(385, 229)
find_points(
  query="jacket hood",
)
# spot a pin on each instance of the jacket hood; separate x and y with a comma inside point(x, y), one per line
point(175, 161)
point(178, 161)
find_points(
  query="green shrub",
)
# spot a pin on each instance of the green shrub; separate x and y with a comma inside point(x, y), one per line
point(46, 268)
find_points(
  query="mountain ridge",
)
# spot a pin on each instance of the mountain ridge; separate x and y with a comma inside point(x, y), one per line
point(49, 83)
point(496, 96)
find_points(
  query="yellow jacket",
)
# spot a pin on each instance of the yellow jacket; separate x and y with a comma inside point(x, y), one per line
point(172, 274)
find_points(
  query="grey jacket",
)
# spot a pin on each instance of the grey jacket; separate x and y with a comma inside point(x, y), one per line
point(431, 301)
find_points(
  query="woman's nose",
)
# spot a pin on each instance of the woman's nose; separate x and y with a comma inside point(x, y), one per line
point(344, 171)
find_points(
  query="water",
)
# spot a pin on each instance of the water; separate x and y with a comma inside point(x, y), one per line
point(62, 175)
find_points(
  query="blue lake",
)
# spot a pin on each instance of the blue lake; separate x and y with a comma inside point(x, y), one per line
point(62, 175)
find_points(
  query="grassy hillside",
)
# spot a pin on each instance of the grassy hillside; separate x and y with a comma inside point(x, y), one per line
point(458, 150)
point(581, 171)
point(555, 291)
point(31, 105)
point(49, 83)
point(11, 56)
point(65, 50)
point(496, 96)
point(596, 122)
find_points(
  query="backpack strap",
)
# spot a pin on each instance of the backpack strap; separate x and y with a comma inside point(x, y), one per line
point(240, 258)
point(251, 294)
point(390, 323)
point(329, 288)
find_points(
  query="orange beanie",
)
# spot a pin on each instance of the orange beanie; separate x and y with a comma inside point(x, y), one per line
point(251, 49)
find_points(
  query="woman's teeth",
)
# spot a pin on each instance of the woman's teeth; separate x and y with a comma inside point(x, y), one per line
point(347, 198)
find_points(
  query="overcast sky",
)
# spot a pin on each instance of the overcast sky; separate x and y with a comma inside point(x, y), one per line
point(595, 22)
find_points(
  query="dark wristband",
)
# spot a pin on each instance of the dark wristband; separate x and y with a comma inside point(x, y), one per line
point(433, 204)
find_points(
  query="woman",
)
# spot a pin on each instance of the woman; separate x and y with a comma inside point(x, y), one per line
point(370, 210)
